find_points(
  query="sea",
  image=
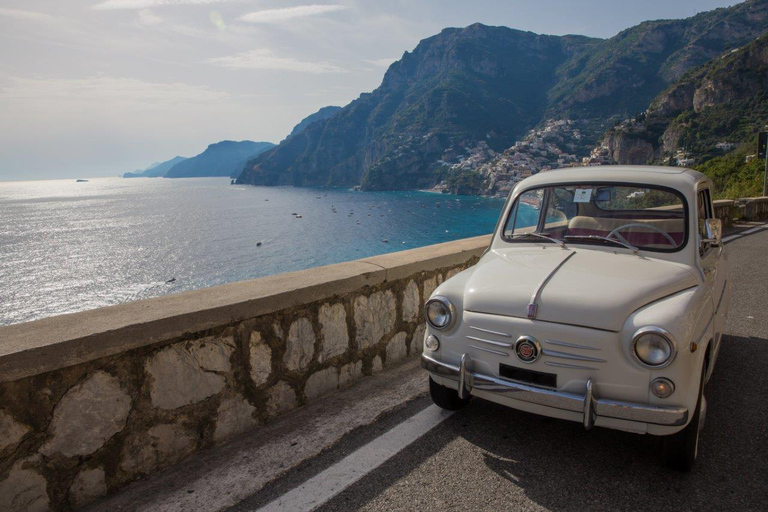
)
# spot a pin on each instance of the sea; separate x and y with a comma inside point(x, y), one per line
point(68, 246)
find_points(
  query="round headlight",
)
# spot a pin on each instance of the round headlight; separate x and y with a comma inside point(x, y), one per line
point(653, 346)
point(439, 313)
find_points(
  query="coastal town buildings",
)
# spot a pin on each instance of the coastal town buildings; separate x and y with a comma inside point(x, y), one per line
point(551, 146)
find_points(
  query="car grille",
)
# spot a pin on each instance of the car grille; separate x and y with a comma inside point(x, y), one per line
point(554, 352)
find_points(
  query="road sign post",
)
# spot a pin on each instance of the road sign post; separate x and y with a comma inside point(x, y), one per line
point(762, 152)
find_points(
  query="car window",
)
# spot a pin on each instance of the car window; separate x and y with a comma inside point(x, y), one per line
point(525, 215)
point(704, 212)
point(647, 217)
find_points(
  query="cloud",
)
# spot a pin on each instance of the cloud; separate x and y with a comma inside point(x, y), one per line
point(103, 90)
point(147, 17)
point(290, 13)
point(26, 15)
point(384, 63)
point(264, 59)
point(146, 4)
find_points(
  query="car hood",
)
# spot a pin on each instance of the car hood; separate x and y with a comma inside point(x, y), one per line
point(593, 288)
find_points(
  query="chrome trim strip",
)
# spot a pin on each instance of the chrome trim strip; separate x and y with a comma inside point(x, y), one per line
point(463, 393)
point(572, 345)
point(589, 406)
point(722, 294)
point(496, 343)
point(572, 357)
point(497, 352)
point(571, 366)
point(706, 329)
point(533, 306)
point(539, 320)
point(656, 415)
point(491, 332)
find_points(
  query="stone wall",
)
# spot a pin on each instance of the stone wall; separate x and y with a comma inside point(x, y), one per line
point(756, 208)
point(92, 401)
point(724, 210)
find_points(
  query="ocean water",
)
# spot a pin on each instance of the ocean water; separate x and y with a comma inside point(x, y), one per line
point(67, 246)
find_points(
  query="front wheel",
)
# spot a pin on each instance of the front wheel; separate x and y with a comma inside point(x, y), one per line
point(446, 398)
point(682, 448)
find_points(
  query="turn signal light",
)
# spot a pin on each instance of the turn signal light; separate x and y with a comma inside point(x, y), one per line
point(662, 387)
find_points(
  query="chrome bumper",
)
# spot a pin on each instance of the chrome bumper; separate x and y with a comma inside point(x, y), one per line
point(588, 405)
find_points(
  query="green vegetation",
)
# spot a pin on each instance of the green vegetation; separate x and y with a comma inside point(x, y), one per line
point(732, 176)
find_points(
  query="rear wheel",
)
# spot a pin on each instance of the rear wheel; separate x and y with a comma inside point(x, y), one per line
point(446, 398)
point(682, 448)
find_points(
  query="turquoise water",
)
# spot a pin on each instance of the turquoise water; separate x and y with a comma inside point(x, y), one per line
point(67, 246)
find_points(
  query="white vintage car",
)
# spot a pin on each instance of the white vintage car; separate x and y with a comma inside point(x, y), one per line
point(601, 299)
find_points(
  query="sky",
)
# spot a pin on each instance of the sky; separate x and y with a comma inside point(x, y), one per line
point(99, 87)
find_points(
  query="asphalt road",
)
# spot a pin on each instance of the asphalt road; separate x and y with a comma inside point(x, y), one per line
point(487, 457)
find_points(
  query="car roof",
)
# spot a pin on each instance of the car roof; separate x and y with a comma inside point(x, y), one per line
point(674, 177)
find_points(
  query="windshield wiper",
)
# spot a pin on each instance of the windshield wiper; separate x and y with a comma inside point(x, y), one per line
point(539, 235)
point(605, 239)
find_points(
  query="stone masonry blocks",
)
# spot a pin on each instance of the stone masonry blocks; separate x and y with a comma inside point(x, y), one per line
point(88, 414)
point(375, 316)
point(260, 357)
point(333, 323)
point(321, 382)
point(411, 302)
point(186, 372)
point(396, 349)
point(299, 346)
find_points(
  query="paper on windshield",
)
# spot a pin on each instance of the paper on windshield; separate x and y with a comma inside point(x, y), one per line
point(582, 195)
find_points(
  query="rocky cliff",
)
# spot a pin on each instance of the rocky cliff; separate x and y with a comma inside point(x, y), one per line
point(321, 115)
point(492, 84)
point(723, 102)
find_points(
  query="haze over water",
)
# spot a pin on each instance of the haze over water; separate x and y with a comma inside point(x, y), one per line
point(67, 246)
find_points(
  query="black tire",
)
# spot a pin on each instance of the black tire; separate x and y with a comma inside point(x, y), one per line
point(446, 398)
point(682, 448)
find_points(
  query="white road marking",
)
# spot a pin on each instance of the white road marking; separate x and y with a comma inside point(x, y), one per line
point(327, 484)
point(744, 233)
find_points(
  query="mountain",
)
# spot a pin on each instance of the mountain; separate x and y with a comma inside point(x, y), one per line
point(455, 88)
point(321, 115)
point(624, 73)
point(486, 84)
point(707, 112)
point(224, 158)
point(155, 170)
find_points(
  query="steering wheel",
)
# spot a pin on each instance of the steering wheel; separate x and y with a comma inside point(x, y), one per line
point(639, 225)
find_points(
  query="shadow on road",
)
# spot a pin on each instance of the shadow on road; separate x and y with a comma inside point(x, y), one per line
point(488, 456)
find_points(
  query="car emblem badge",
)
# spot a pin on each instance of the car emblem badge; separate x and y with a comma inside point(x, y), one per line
point(527, 349)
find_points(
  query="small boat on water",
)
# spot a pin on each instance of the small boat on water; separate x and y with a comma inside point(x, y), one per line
point(299, 217)
point(81, 181)
point(258, 244)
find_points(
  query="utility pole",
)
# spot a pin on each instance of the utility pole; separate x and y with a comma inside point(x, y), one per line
point(762, 151)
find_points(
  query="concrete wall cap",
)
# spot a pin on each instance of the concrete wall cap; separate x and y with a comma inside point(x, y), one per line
point(40, 346)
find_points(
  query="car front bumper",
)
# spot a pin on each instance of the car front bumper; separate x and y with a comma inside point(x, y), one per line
point(587, 405)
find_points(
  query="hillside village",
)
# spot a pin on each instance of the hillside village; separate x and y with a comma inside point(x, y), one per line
point(556, 144)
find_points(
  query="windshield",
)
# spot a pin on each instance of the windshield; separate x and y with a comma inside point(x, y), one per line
point(634, 216)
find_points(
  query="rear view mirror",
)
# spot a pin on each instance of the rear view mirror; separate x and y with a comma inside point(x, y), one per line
point(603, 195)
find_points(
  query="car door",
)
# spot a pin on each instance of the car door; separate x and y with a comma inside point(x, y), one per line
point(713, 266)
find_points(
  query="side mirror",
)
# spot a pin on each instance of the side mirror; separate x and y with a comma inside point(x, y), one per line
point(714, 228)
